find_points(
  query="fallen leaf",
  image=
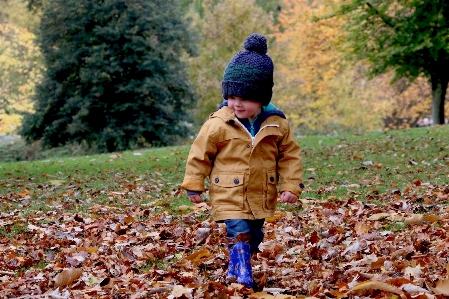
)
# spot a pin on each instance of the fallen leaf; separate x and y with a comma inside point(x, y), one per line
point(378, 285)
point(56, 182)
point(441, 287)
point(275, 217)
point(414, 219)
point(378, 216)
point(412, 289)
point(197, 257)
point(361, 227)
point(66, 277)
point(180, 291)
point(261, 295)
point(24, 193)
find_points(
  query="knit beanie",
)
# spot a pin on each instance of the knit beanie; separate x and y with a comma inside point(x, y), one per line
point(249, 74)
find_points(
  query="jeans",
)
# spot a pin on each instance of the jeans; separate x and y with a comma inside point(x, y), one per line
point(253, 228)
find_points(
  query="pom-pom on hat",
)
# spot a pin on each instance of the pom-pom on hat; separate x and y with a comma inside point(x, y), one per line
point(249, 74)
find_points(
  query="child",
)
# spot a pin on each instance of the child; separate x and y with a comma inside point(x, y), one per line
point(243, 148)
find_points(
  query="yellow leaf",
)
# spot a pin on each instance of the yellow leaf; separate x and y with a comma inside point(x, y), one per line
point(275, 217)
point(67, 276)
point(129, 219)
point(24, 193)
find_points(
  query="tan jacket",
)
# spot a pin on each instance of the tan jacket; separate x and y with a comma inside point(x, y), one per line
point(244, 170)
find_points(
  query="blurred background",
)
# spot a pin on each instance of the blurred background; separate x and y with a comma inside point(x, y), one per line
point(115, 75)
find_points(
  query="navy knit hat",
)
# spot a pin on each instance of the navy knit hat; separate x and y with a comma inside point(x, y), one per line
point(249, 74)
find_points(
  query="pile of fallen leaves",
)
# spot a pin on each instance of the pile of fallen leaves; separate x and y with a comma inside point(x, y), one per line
point(328, 249)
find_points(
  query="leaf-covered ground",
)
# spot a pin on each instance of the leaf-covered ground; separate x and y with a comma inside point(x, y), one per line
point(373, 223)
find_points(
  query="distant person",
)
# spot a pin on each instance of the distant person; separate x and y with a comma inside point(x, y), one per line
point(424, 122)
point(243, 148)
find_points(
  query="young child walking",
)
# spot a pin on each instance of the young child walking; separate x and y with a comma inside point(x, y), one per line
point(246, 148)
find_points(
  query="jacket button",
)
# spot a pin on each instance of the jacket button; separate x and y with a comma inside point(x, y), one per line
point(272, 179)
point(236, 181)
point(216, 180)
point(248, 146)
point(301, 186)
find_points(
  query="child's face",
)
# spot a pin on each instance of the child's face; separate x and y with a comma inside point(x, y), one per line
point(244, 108)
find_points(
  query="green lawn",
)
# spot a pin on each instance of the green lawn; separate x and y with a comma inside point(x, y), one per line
point(362, 167)
point(374, 213)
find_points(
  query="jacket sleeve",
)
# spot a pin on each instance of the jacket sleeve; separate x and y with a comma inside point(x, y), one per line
point(290, 166)
point(200, 159)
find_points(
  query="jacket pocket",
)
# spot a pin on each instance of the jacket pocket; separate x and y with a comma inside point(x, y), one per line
point(226, 191)
point(271, 191)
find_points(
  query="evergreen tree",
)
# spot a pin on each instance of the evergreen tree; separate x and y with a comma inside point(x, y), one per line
point(114, 75)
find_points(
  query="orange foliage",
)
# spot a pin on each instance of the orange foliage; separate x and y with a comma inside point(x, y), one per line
point(321, 93)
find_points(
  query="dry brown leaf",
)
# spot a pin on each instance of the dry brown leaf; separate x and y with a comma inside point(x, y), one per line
point(378, 216)
point(413, 289)
point(85, 249)
point(24, 193)
point(197, 257)
point(378, 285)
point(431, 218)
point(129, 219)
point(441, 287)
point(361, 228)
point(418, 218)
point(66, 277)
point(275, 217)
point(261, 295)
point(180, 291)
point(414, 219)
point(282, 296)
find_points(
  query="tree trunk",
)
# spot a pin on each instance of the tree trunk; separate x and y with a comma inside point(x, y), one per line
point(439, 86)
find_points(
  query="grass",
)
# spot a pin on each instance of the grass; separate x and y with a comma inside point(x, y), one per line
point(365, 167)
point(60, 205)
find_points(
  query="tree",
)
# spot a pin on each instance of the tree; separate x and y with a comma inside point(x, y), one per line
point(20, 63)
point(408, 37)
point(318, 93)
point(223, 28)
point(114, 78)
point(33, 5)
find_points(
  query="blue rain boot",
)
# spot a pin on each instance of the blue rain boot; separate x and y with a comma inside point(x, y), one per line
point(230, 275)
point(240, 270)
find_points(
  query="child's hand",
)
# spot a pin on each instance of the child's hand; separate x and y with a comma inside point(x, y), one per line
point(288, 197)
point(195, 198)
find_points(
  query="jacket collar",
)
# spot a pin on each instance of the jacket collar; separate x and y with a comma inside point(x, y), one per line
point(224, 113)
point(267, 111)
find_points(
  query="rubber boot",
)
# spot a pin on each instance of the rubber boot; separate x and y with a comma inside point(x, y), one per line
point(240, 270)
